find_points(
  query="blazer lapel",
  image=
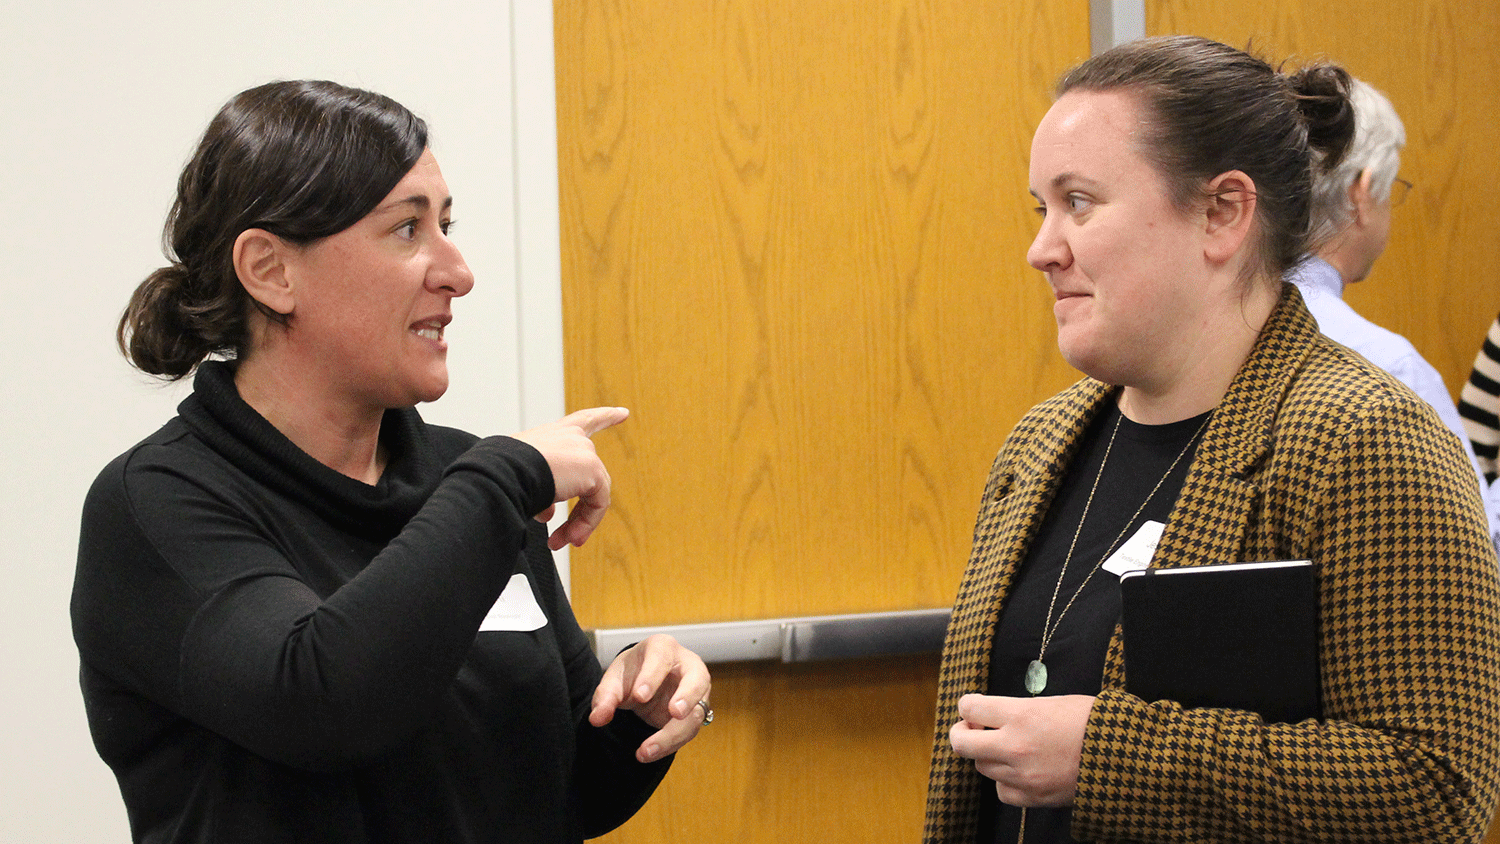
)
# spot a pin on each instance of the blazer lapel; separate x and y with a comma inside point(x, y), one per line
point(1210, 523)
point(1016, 501)
point(1019, 490)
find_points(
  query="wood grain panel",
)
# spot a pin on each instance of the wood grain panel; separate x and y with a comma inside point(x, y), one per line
point(1437, 283)
point(794, 244)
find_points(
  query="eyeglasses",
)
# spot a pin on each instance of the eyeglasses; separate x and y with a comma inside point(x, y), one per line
point(1399, 189)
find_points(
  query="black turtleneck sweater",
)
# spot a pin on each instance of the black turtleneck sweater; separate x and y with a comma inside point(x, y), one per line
point(274, 652)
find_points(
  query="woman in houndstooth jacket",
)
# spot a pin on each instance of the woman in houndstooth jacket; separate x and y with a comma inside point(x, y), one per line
point(1172, 176)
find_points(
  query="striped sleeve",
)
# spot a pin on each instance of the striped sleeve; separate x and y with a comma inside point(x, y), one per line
point(1479, 403)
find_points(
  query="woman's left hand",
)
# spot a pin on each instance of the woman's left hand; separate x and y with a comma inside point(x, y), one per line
point(663, 683)
point(1030, 747)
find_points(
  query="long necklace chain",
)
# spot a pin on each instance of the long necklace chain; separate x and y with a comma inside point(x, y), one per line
point(1036, 672)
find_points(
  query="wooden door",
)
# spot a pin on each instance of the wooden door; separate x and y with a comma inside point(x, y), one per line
point(794, 242)
point(1437, 283)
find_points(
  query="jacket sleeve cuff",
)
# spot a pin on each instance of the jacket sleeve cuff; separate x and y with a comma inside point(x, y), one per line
point(1134, 774)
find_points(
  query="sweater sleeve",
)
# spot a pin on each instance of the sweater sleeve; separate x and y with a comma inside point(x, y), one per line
point(610, 786)
point(187, 594)
point(1410, 656)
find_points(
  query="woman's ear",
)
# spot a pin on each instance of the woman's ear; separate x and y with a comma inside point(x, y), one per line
point(260, 263)
point(1229, 215)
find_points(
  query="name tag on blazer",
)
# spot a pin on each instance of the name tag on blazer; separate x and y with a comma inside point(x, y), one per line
point(516, 608)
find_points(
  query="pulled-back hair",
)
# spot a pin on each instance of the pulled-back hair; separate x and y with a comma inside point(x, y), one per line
point(1210, 108)
point(302, 160)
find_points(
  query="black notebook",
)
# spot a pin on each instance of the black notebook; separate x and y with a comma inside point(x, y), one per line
point(1236, 635)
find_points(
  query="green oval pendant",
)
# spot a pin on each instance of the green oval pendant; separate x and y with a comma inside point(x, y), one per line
point(1036, 677)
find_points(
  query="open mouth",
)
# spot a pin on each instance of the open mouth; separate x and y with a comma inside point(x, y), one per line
point(430, 329)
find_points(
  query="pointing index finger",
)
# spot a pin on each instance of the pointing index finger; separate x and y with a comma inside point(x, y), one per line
point(595, 419)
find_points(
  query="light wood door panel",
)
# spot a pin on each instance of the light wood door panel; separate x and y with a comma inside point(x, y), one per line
point(794, 242)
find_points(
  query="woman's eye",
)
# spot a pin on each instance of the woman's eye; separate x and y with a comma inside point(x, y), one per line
point(447, 225)
point(1077, 202)
point(407, 230)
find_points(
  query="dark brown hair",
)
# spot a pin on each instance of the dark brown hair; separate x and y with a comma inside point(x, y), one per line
point(1211, 108)
point(302, 160)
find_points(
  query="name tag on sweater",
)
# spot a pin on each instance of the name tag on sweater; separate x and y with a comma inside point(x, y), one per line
point(516, 609)
point(1136, 553)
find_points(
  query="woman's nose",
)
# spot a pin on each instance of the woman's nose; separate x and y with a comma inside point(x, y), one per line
point(450, 272)
point(1049, 249)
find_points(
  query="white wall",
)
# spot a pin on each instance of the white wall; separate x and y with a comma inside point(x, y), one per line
point(101, 103)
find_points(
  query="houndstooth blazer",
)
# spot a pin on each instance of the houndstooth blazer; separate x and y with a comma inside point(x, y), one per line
point(1312, 453)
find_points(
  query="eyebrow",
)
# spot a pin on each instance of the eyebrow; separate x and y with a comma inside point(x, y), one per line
point(417, 201)
point(1061, 180)
point(1064, 178)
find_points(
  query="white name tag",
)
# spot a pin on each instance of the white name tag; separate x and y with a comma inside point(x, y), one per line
point(516, 608)
point(1137, 551)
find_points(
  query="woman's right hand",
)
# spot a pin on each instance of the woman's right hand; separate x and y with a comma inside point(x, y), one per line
point(577, 471)
point(1030, 746)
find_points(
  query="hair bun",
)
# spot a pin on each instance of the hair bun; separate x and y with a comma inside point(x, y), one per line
point(1321, 94)
point(158, 332)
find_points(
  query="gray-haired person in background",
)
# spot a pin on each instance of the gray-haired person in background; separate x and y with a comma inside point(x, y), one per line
point(1352, 205)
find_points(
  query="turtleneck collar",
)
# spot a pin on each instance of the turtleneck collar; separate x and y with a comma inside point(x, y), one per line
point(231, 427)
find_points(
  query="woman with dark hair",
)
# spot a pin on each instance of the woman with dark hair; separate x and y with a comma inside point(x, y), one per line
point(1173, 178)
point(303, 614)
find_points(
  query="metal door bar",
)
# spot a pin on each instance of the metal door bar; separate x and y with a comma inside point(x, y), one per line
point(804, 639)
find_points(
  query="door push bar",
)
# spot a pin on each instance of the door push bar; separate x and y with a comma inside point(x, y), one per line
point(804, 639)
